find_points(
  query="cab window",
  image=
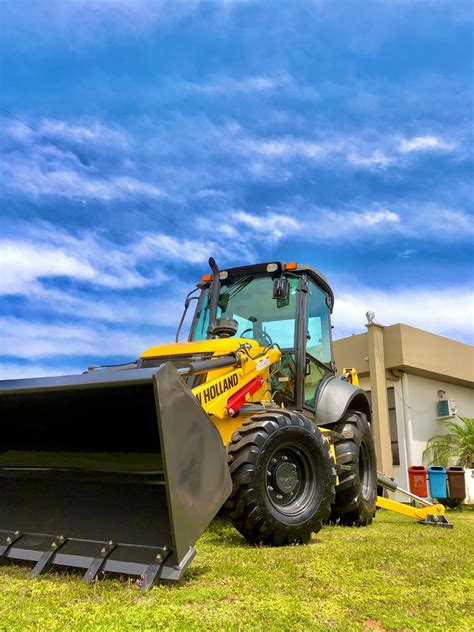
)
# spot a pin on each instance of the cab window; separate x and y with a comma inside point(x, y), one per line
point(318, 337)
point(318, 343)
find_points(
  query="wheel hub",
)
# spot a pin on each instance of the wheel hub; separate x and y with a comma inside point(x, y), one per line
point(286, 477)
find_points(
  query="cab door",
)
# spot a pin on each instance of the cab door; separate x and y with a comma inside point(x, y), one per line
point(318, 351)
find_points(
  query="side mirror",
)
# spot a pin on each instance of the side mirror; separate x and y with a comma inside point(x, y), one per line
point(281, 289)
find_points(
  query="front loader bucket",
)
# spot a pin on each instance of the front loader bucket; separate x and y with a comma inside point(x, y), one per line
point(109, 471)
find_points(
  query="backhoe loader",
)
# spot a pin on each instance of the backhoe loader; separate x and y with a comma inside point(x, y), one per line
point(122, 468)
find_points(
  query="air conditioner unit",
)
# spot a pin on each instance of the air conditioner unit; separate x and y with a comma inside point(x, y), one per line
point(446, 408)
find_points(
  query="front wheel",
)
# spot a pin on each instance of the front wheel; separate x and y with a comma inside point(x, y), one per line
point(283, 479)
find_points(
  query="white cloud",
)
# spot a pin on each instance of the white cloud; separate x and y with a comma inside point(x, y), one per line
point(276, 224)
point(89, 133)
point(37, 168)
point(367, 219)
point(79, 23)
point(51, 178)
point(143, 310)
point(27, 340)
point(83, 21)
point(227, 85)
point(44, 251)
point(366, 150)
point(34, 253)
point(18, 371)
point(139, 187)
point(287, 148)
point(327, 224)
point(429, 309)
point(223, 86)
point(235, 229)
point(172, 248)
point(22, 263)
point(228, 153)
point(406, 254)
point(376, 159)
point(314, 224)
point(424, 144)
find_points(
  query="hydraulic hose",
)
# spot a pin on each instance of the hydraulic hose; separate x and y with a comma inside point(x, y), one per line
point(204, 366)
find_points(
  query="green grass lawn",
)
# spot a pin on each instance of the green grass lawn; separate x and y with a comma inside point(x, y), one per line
point(394, 575)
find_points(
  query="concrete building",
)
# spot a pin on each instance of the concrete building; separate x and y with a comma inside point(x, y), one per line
point(407, 372)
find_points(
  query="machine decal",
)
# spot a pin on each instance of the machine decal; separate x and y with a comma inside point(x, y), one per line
point(217, 389)
point(263, 363)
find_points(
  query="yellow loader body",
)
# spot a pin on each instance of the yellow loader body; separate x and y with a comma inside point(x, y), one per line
point(222, 384)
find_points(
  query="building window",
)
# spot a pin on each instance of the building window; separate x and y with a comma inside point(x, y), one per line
point(392, 415)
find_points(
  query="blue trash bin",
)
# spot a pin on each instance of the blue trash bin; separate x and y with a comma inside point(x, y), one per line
point(437, 478)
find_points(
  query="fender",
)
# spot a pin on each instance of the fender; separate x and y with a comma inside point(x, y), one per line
point(336, 396)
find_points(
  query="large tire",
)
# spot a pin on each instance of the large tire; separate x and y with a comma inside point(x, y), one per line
point(356, 494)
point(283, 478)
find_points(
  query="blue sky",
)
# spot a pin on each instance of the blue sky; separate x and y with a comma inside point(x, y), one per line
point(335, 133)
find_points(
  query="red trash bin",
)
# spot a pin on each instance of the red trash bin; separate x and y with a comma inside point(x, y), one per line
point(418, 477)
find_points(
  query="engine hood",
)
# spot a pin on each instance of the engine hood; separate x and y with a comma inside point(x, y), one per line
point(217, 346)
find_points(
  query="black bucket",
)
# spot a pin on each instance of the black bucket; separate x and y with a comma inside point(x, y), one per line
point(111, 471)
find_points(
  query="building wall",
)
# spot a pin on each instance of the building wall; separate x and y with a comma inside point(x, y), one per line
point(430, 355)
point(408, 348)
point(421, 396)
point(416, 410)
point(417, 364)
point(352, 352)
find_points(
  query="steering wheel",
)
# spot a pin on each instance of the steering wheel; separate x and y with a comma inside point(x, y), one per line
point(264, 339)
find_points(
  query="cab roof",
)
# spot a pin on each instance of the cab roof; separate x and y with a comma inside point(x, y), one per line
point(258, 269)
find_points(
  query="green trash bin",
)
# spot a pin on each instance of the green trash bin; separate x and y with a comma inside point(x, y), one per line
point(456, 483)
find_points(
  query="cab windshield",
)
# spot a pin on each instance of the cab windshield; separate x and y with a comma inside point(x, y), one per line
point(260, 317)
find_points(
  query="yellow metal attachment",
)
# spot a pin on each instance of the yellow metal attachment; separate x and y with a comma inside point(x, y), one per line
point(420, 513)
point(351, 376)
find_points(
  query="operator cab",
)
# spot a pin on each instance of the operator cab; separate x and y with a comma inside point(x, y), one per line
point(286, 305)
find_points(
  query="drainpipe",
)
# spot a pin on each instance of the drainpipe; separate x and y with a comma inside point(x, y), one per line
point(406, 416)
point(405, 421)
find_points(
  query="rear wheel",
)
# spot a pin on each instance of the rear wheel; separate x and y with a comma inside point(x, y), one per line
point(356, 494)
point(283, 479)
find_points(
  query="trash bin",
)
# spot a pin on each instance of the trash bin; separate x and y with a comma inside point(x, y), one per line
point(437, 479)
point(456, 483)
point(418, 478)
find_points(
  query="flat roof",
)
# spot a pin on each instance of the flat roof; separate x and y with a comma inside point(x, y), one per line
point(412, 350)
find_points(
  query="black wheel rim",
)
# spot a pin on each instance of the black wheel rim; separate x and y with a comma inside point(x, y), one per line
point(291, 480)
point(365, 471)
